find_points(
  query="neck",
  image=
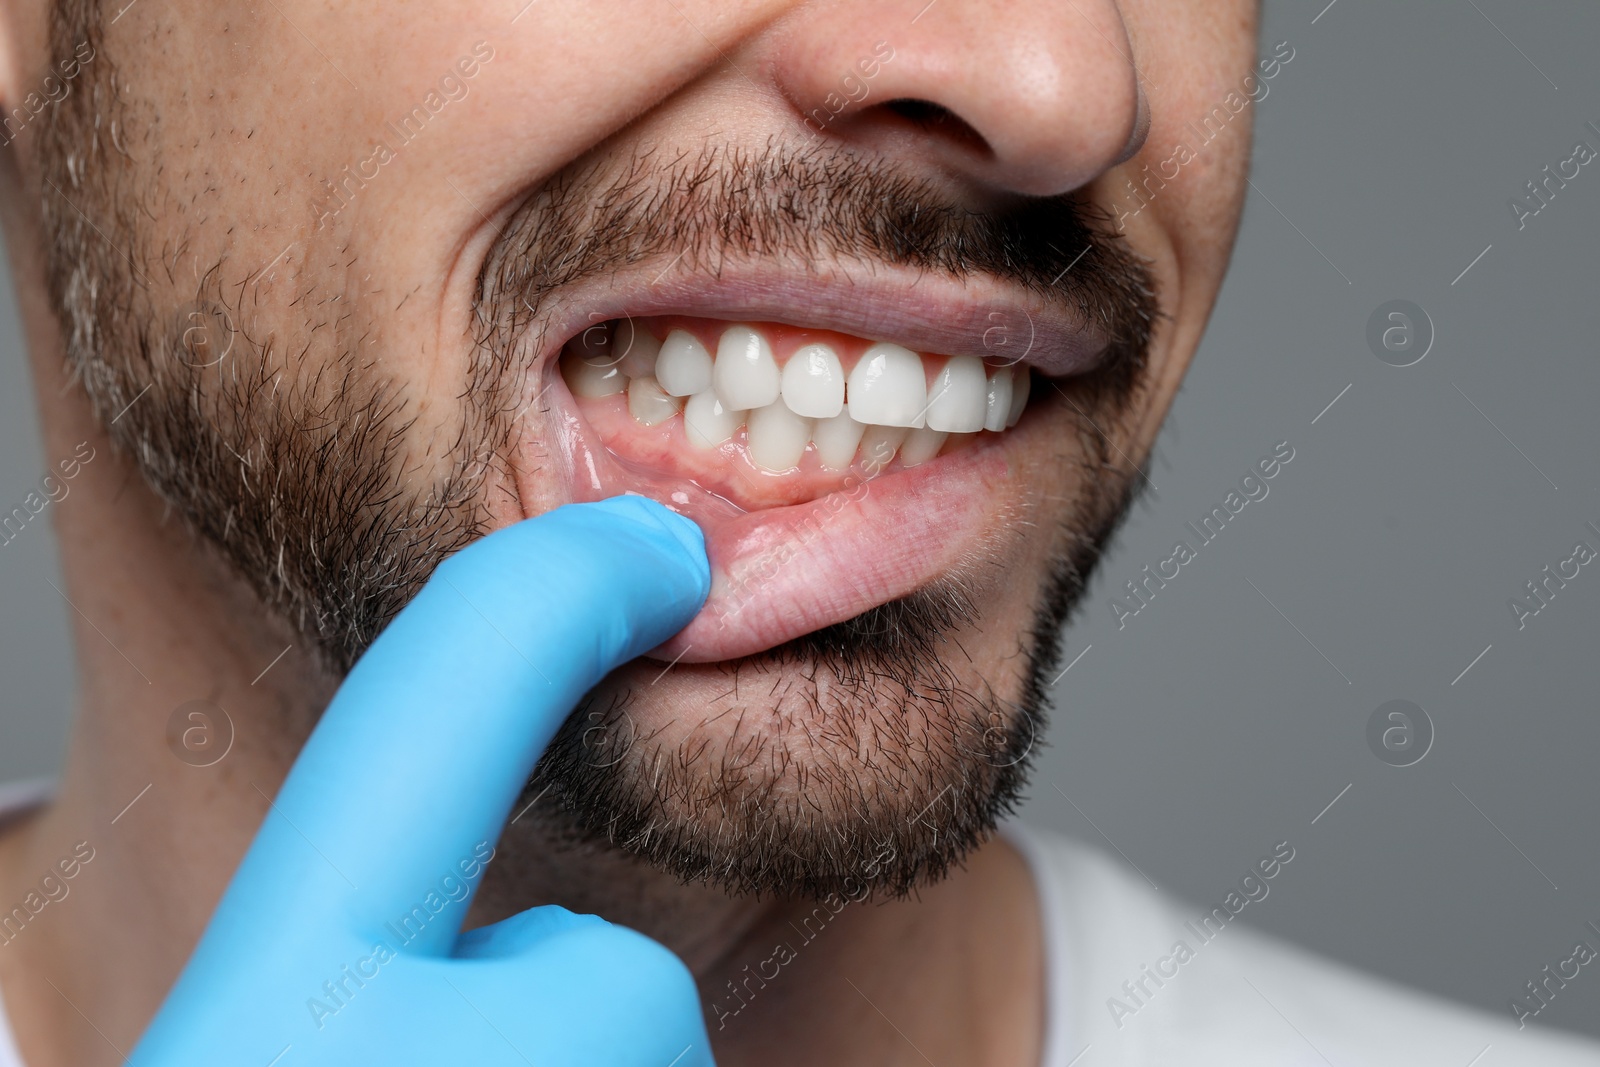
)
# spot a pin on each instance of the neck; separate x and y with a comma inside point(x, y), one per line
point(158, 623)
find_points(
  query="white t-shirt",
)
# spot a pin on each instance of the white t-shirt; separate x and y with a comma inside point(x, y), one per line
point(1241, 999)
point(1244, 1000)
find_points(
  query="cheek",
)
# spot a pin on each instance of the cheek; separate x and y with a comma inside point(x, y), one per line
point(1201, 48)
point(1185, 274)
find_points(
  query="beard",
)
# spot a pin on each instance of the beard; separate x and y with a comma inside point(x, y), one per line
point(872, 761)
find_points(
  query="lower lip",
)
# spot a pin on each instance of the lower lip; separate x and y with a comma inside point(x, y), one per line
point(779, 573)
point(784, 572)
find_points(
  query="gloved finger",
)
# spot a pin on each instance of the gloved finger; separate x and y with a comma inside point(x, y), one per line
point(512, 936)
point(588, 994)
point(408, 779)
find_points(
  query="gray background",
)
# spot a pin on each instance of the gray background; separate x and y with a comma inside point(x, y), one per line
point(1223, 718)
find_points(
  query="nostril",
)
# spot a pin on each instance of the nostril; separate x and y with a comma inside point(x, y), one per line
point(922, 112)
point(937, 119)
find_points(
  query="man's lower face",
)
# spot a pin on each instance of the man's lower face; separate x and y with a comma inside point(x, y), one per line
point(862, 693)
point(891, 405)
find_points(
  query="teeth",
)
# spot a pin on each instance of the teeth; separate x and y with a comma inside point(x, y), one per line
point(958, 441)
point(921, 445)
point(649, 404)
point(959, 397)
point(882, 408)
point(1020, 383)
point(593, 344)
point(745, 375)
point(999, 400)
point(836, 440)
point(592, 379)
point(879, 444)
point(813, 383)
point(778, 437)
point(888, 387)
point(707, 422)
point(638, 348)
point(683, 366)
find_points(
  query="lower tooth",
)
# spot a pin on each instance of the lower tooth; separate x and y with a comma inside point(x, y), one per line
point(836, 440)
point(777, 436)
point(879, 444)
point(921, 445)
point(590, 380)
point(959, 441)
point(649, 404)
point(707, 423)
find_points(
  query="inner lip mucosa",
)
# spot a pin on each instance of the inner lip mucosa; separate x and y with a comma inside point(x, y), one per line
point(762, 414)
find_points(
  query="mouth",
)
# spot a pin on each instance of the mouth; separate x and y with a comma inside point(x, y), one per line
point(832, 468)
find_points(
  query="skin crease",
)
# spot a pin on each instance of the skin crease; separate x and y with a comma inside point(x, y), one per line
point(251, 113)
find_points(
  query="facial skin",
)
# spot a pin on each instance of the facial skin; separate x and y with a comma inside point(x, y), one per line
point(344, 387)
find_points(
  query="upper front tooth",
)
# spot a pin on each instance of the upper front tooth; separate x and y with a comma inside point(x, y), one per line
point(999, 400)
point(745, 375)
point(888, 387)
point(638, 348)
point(813, 383)
point(959, 397)
point(777, 436)
point(683, 366)
point(708, 422)
point(1020, 383)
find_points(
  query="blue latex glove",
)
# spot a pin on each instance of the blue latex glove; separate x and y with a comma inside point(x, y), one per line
point(338, 941)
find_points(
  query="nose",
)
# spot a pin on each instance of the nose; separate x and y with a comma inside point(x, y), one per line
point(1035, 97)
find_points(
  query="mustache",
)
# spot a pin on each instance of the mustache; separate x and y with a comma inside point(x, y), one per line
point(809, 205)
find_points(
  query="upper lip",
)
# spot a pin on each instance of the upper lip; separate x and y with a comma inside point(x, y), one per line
point(924, 311)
